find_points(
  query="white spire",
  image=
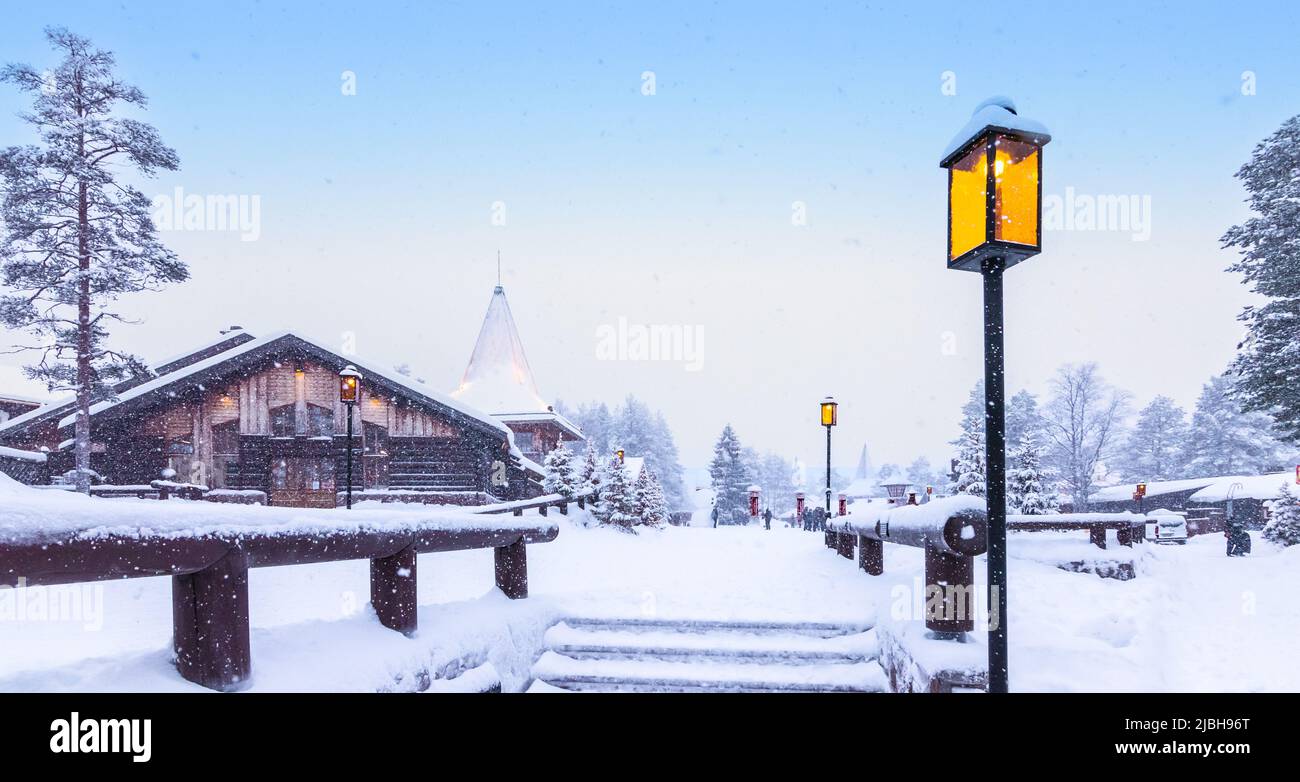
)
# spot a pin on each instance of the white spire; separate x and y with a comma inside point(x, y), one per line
point(498, 378)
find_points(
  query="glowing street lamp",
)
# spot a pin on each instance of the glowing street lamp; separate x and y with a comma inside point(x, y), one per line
point(830, 417)
point(349, 395)
point(995, 205)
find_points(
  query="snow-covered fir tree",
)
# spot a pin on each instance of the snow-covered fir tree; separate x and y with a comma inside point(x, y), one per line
point(1267, 361)
point(1155, 448)
point(1283, 527)
point(1023, 417)
point(561, 474)
point(730, 479)
point(617, 505)
point(970, 471)
point(1227, 440)
point(1029, 489)
point(589, 472)
point(77, 233)
point(648, 500)
point(639, 432)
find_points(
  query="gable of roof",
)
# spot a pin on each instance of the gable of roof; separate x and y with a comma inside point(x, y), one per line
point(252, 353)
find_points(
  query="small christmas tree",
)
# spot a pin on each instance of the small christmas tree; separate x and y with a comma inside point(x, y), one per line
point(617, 497)
point(561, 478)
point(1283, 527)
point(1027, 485)
point(649, 499)
point(589, 476)
point(970, 471)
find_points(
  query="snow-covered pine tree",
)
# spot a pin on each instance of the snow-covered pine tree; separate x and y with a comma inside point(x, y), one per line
point(970, 446)
point(77, 234)
point(589, 474)
point(1270, 264)
point(617, 497)
point(1023, 416)
point(1029, 489)
point(1283, 527)
point(730, 479)
point(1155, 449)
point(1226, 440)
point(561, 475)
point(648, 501)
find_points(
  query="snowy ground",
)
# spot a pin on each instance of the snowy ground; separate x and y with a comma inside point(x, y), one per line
point(1192, 620)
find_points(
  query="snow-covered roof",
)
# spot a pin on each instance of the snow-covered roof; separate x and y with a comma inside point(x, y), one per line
point(24, 456)
point(498, 378)
point(181, 376)
point(1255, 487)
point(547, 417)
point(996, 113)
point(861, 487)
point(1157, 488)
point(20, 399)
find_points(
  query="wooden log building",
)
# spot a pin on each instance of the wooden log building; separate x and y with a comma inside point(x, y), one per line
point(264, 414)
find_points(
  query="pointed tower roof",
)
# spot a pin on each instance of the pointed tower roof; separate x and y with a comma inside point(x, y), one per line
point(498, 379)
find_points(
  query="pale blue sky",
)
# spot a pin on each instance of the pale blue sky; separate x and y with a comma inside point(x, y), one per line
point(675, 208)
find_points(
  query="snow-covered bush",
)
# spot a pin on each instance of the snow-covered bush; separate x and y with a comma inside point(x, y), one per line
point(648, 501)
point(1283, 527)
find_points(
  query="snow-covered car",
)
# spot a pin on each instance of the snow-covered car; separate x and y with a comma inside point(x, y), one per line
point(1167, 528)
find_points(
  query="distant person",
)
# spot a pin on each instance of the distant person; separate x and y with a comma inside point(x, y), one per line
point(767, 519)
point(715, 516)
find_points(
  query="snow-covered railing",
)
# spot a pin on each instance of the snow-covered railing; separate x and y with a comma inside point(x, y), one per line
point(542, 503)
point(209, 566)
point(1128, 526)
point(952, 531)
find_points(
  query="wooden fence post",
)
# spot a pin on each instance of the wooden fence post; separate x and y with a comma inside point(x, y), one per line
point(512, 569)
point(844, 544)
point(582, 503)
point(953, 575)
point(542, 510)
point(564, 508)
point(871, 555)
point(392, 591)
point(210, 623)
point(1097, 536)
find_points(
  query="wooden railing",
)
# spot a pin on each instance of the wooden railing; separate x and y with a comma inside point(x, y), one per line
point(1129, 527)
point(951, 543)
point(210, 574)
point(540, 504)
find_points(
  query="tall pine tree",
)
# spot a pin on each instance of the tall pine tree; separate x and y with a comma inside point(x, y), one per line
point(1029, 489)
point(77, 235)
point(1267, 362)
point(730, 479)
point(1227, 440)
point(1156, 447)
point(970, 472)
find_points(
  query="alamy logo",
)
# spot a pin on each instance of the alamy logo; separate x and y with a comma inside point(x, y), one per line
point(94, 736)
point(181, 212)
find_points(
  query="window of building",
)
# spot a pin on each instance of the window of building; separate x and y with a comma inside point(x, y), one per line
point(320, 421)
point(283, 421)
point(225, 454)
point(525, 441)
point(375, 456)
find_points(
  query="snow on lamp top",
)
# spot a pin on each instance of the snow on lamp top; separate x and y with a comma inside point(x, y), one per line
point(997, 114)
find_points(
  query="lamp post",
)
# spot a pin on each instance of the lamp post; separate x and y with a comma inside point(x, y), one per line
point(349, 393)
point(995, 201)
point(830, 417)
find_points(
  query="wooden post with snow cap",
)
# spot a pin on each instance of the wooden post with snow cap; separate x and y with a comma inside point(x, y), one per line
point(392, 590)
point(210, 623)
point(952, 532)
point(512, 570)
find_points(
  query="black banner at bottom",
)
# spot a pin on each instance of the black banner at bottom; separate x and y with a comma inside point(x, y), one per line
point(188, 732)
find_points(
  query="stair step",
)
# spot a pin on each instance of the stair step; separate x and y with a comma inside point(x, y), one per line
point(686, 626)
point(613, 675)
point(663, 644)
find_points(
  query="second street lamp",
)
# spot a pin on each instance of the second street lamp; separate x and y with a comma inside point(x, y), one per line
point(349, 394)
point(995, 204)
point(830, 417)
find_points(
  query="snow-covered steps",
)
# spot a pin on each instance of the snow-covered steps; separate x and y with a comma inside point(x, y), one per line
point(639, 655)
